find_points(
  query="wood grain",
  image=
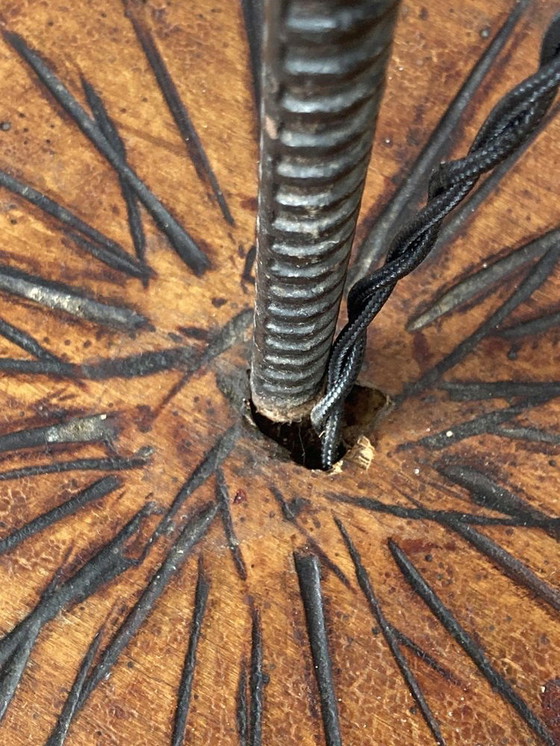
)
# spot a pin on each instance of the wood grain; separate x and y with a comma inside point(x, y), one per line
point(253, 601)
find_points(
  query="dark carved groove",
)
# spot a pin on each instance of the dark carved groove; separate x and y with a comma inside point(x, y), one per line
point(109, 129)
point(70, 708)
point(128, 265)
point(531, 327)
point(309, 577)
point(469, 390)
point(471, 647)
point(253, 20)
point(487, 493)
point(71, 300)
point(528, 435)
point(179, 112)
point(205, 469)
point(50, 368)
point(425, 514)
point(222, 496)
point(364, 581)
point(90, 429)
point(242, 706)
point(94, 491)
point(141, 458)
point(257, 680)
point(511, 566)
point(27, 343)
point(484, 423)
point(181, 241)
point(402, 203)
point(290, 514)
point(231, 334)
point(195, 528)
point(483, 280)
point(98, 245)
point(136, 366)
point(539, 273)
point(425, 657)
point(106, 564)
point(13, 668)
point(187, 676)
point(146, 363)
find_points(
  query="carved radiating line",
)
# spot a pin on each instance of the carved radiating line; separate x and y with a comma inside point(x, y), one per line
point(128, 265)
point(90, 429)
point(205, 469)
point(473, 390)
point(179, 112)
point(94, 491)
point(456, 432)
point(290, 513)
point(510, 565)
point(309, 577)
point(257, 680)
point(531, 327)
point(61, 297)
point(141, 364)
point(181, 241)
point(402, 202)
point(471, 647)
point(144, 363)
point(51, 368)
point(98, 245)
point(187, 676)
point(425, 657)
point(242, 706)
point(424, 514)
point(222, 496)
point(486, 492)
point(60, 731)
point(13, 668)
point(482, 281)
point(141, 458)
point(106, 564)
point(194, 530)
point(136, 366)
point(109, 129)
point(132, 366)
point(230, 334)
point(27, 343)
point(539, 273)
point(248, 275)
point(364, 581)
point(528, 434)
point(253, 20)
point(464, 212)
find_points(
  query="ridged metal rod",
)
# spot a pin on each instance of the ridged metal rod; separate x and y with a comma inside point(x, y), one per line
point(323, 77)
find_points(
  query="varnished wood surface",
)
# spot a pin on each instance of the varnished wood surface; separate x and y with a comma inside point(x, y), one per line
point(464, 478)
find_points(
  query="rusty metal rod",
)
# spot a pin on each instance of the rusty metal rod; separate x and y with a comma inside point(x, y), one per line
point(323, 77)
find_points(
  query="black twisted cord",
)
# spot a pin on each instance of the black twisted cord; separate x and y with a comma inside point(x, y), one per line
point(507, 127)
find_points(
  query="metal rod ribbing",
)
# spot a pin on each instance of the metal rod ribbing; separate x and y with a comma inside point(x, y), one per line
point(322, 81)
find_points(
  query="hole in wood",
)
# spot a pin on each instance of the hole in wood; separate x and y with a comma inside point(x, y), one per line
point(300, 440)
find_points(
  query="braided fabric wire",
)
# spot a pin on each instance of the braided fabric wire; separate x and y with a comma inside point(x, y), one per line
point(507, 127)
